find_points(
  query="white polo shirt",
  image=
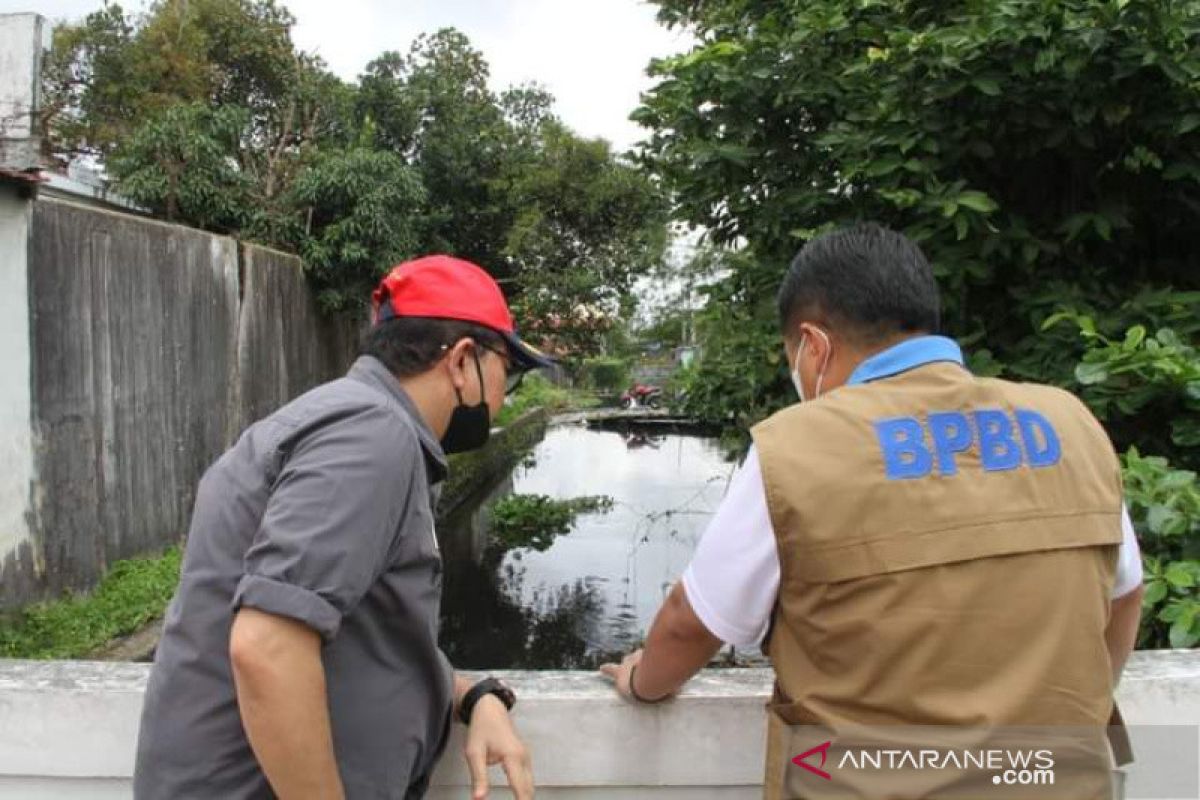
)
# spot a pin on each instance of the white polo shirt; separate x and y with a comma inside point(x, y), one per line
point(733, 579)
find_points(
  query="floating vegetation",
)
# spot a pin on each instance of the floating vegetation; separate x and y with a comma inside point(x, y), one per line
point(535, 520)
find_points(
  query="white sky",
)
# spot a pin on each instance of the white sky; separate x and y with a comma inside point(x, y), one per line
point(591, 54)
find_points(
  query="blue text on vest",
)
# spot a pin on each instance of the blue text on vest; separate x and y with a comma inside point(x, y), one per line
point(912, 449)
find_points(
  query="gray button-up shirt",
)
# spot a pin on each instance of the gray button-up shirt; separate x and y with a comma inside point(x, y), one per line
point(321, 513)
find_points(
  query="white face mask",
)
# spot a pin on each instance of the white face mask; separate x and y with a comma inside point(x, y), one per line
point(820, 375)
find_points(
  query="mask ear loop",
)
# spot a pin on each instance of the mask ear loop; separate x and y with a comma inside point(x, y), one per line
point(825, 365)
point(478, 373)
point(796, 366)
point(457, 391)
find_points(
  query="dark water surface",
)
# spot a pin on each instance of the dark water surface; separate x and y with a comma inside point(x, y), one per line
point(594, 592)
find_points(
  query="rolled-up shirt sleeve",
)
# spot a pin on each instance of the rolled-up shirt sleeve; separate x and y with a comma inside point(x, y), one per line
point(332, 519)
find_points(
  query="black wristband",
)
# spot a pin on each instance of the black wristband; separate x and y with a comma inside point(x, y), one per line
point(633, 692)
point(486, 686)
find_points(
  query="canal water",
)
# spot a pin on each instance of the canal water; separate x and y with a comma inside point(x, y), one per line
point(593, 593)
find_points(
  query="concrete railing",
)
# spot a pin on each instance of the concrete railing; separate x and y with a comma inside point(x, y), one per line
point(68, 729)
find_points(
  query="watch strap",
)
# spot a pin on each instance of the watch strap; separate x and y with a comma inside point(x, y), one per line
point(486, 686)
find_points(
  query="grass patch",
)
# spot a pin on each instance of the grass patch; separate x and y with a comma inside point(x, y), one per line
point(133, 593)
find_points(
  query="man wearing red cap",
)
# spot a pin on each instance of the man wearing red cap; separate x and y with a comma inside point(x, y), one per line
point(299, 656)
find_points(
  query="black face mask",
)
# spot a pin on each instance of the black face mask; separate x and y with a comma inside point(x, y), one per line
point(469, 426)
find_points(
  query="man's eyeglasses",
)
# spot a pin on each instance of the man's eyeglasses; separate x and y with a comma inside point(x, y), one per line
point(513, 375)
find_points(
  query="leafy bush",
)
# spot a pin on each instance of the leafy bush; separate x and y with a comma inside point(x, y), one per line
point(1014, 140)
point(1148, 388)
point(362, 216)
point(180, 163)
point(1165, 506)
point(740, 377)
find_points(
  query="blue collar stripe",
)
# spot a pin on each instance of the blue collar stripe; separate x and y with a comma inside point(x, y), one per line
point(909, 354)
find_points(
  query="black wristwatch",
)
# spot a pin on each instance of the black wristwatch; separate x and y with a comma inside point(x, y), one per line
point(485, 686)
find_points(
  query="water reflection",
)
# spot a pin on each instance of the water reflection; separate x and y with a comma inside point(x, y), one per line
point(594, 592)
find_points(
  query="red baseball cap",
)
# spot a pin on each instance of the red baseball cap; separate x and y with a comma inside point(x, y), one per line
point(444, 287)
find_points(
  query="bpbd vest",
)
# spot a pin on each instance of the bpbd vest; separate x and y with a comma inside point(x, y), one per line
point(947, 547)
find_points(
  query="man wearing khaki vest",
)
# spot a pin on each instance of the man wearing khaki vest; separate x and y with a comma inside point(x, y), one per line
point(939, 566)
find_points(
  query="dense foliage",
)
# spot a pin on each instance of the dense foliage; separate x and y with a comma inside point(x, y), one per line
point(1046, 155)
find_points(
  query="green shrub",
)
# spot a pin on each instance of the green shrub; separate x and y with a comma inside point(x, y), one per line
point(1144, 385)
point(133, 593)
point(1165, 506)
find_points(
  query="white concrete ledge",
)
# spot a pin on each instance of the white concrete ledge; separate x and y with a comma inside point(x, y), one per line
point(68, 729)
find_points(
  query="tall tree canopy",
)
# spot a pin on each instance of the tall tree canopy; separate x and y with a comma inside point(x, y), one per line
point(205, 111)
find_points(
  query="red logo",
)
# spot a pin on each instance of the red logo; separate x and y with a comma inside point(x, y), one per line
point(823, 749)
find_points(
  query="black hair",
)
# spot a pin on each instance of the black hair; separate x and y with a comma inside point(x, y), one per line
point(409, 346)
point(867, 281)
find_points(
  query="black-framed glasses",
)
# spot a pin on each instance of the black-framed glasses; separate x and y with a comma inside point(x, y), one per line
point(513, 375)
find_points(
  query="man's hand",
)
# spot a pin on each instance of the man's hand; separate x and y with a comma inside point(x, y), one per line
point(491, 739)
point(619, 673)
point(677, 647)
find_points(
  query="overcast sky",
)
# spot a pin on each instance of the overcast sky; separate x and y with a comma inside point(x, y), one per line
point(591, 54)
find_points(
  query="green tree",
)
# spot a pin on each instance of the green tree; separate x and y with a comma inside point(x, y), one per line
point(1040, 152)
point(585, 226)
point(205, 111)
point(459, 149)
point(362, 213)
point(1044, 154)
point(89, 94)
point(115, 71)
point(112, 75)
point(181, 164)
point(383, 99)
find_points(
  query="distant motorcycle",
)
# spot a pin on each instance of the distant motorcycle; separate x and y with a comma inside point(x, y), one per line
point(640, 395)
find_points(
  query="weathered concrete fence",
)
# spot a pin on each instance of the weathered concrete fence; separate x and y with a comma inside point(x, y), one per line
point(132, 352)
point(70, 729)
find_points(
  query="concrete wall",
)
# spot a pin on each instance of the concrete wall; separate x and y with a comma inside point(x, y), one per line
point(70, 727)
point(284, 343)
point(134, 330)
point(22, 40)
point(16, 412)
point(150, 347)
